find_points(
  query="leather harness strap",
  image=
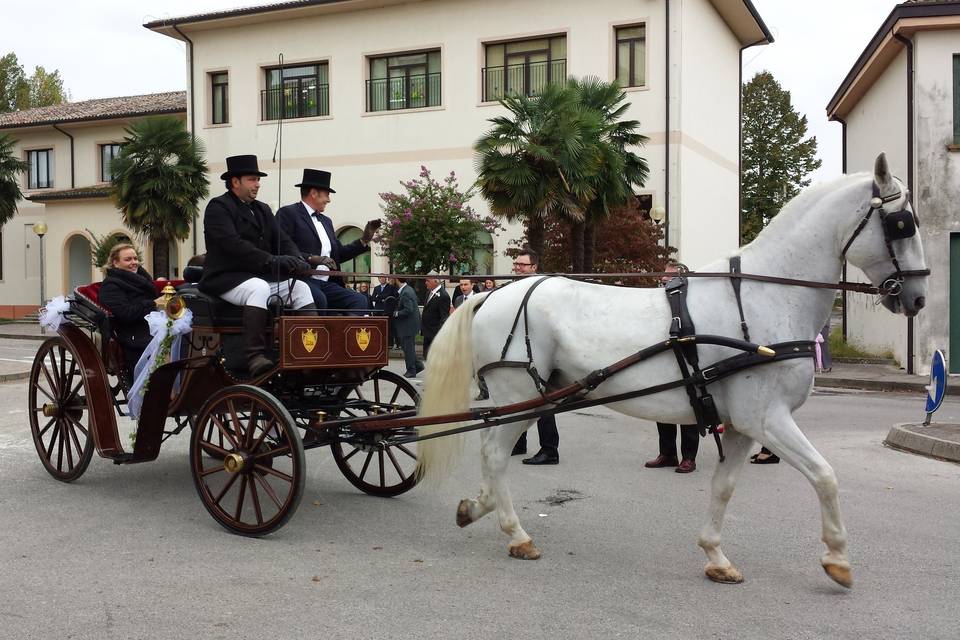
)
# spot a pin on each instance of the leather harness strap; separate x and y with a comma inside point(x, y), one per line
point(681, 326)
point(735, 282)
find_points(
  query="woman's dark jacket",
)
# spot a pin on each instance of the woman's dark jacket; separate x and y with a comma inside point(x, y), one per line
point(129, 297)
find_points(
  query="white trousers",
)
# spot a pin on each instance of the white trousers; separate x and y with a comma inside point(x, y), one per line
point(256, 292)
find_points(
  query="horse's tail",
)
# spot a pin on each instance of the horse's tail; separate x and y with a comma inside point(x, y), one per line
point(447, 390)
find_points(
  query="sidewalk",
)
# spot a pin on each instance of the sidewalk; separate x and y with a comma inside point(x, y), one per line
point(940, 441)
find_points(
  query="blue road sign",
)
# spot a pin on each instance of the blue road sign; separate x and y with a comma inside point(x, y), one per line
point(938, 382)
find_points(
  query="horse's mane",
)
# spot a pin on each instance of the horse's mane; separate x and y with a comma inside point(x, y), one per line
point(806, 200)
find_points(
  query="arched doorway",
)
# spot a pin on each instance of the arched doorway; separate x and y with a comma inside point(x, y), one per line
point(360, 264)
point(79, 262)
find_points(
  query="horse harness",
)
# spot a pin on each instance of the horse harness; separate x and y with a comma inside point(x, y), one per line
point(898, 225)
point(683, 342)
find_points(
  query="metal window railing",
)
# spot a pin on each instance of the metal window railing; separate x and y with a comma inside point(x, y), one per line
point(403, 92)
point(295, 102)
point(528, 78)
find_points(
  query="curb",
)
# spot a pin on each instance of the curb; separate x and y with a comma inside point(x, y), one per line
point(871, 385)
point(910, 436)
point(21, 336)
point(13, 377)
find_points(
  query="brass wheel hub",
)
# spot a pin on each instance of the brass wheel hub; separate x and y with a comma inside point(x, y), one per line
point(50, 410)
point(233, 463)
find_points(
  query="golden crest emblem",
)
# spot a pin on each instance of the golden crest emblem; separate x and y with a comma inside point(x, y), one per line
point(309, 339)
point(363, 339)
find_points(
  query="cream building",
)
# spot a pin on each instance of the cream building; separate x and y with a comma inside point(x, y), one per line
point(69, 148)
point(373, 89)
point(903, 97)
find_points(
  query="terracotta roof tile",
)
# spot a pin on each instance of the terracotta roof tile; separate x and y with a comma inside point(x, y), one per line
point(99, 109)
point(79, 193)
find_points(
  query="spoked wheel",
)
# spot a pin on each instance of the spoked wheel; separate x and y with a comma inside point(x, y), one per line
point(59, 416)
point(249, 467)
point(368, 460)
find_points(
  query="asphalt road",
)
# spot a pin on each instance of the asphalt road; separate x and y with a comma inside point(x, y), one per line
point(130, 552)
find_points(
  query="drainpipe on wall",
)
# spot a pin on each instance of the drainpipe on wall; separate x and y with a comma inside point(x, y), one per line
point(843, 273)
point(192, 114)
point(740, 138)
point(666, 128)
point(72, 180)
point(909, 45)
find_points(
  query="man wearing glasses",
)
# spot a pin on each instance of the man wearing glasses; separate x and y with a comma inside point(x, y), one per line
point(526, 263)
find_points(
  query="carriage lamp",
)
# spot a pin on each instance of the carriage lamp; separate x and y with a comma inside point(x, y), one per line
point(657, 214)
point(40, 228)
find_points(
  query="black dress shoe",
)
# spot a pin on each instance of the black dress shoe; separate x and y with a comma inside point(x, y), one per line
point(543, 457)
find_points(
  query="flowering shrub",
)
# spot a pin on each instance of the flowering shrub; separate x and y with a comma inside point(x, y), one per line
point(430, 226)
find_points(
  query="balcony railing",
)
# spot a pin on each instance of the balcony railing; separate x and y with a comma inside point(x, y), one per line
point(404, 92)
point(528, 79)
point(294, 102)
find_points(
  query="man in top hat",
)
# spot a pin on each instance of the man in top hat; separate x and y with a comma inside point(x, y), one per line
point(313, 233)
point(249, 257)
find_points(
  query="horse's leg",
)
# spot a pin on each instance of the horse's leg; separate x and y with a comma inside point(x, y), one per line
point(786, 440)
point(495, 449)
point(736, 446)
point(496, 445)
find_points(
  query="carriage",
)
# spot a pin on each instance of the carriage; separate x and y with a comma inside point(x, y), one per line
point(247, 435)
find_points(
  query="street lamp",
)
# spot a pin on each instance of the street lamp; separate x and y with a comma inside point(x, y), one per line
point(657, 214)
point(40, 228)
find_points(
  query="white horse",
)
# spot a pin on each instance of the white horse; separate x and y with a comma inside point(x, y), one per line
point(576, 327)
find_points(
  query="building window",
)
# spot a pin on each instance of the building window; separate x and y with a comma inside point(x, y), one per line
point(360, 264)
point(219, 107)
point(296, 92)
point(956, 98)
point(523, 66)
point(404, 81)
point(40, 172)
point(631, 55)
point(107, 153)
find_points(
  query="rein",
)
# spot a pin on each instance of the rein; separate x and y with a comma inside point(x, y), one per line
point(857, 287)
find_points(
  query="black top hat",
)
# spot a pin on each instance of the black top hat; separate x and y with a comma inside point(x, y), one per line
point(317, 179)
point(238, 166)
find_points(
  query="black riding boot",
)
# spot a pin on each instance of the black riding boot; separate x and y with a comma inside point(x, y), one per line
point(255, 322)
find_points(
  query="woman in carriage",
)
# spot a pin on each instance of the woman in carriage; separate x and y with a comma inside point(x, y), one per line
point(129, 294)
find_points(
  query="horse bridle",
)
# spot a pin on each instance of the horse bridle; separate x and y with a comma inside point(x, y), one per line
point(896, 226)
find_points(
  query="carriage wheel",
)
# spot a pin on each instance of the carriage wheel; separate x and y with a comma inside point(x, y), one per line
point(59, 416)
point(251, 480)
point(368, 460)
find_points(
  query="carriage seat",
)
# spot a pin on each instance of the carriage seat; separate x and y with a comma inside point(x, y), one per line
point(211, 311)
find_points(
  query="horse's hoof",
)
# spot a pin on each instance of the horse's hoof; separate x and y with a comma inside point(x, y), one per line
point(463, 514)
point(724, 575)
point(840, 573)
point(524, 551)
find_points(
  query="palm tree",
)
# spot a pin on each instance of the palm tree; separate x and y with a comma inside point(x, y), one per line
point(533, 163)
point(562, 154)
point(159, 178)
point(10, 169)
point(619, 169)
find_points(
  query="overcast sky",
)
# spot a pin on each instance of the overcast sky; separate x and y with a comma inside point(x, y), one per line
point(101, 48)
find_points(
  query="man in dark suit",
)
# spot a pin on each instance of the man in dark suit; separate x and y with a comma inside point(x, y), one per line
point(249, 257)
point(313, 233)
point(384, 299)
point(526, 263)
point(436, 310)
point(407, 321)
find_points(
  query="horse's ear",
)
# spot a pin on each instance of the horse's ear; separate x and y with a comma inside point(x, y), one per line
point(881, 170)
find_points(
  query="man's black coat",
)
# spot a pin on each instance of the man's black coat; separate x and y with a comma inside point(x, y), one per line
point(240, 240)
point(435, 313)
point(299, 226)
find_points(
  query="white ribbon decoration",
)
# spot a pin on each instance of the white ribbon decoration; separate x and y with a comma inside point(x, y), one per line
point(157, 321)
point(52, 315)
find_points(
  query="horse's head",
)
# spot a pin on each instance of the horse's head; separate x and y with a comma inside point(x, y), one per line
point(886, 245)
